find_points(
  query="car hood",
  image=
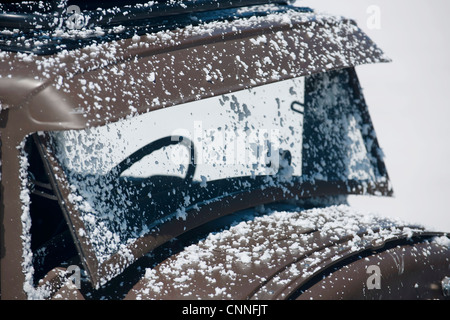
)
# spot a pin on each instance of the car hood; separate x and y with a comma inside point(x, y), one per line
point(283, 254)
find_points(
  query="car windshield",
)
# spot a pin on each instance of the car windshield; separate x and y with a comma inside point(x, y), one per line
point(132, 176)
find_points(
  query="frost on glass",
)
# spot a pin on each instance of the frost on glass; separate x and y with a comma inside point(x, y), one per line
point(128, 177)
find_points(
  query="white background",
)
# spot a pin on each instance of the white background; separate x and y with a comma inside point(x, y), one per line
point(409, 101)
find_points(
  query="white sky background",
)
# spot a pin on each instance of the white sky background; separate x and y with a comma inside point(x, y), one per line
point(409, 101)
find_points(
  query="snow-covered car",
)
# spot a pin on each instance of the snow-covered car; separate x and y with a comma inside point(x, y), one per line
point(195, 150)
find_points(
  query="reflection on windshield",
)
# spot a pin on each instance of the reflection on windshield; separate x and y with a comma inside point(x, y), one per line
point(130, 176)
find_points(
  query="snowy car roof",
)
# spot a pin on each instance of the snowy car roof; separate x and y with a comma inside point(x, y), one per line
point(297, 43)
point(47, 27)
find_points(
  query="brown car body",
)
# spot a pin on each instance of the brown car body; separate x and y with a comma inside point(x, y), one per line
point(48, 92)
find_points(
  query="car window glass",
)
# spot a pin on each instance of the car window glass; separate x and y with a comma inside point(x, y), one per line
point(334, 145)
point(242, 134)
point(129, 177)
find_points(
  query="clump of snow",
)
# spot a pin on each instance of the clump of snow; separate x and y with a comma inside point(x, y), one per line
point(443, 241)
point(181, 213)
point(204, 182)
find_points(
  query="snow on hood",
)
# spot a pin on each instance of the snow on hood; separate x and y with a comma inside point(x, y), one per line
point(219, 265)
